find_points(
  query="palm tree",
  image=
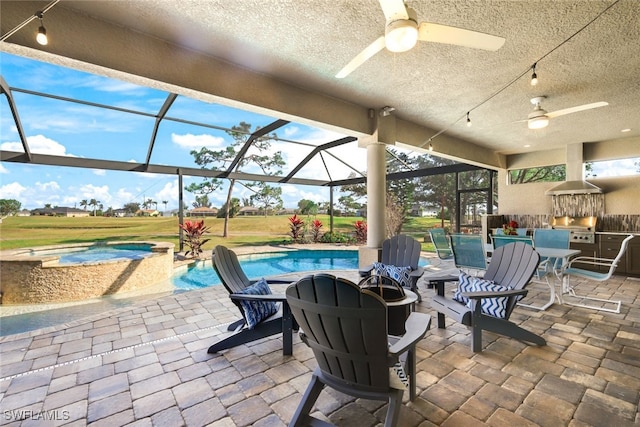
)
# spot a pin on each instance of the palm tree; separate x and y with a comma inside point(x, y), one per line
point(165, 202)
point(84, 203)
point(94, 203)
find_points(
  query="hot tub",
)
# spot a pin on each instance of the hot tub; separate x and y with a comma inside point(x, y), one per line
point(64, 273)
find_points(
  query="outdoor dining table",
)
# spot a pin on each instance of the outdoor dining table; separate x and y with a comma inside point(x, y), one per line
point(565, 255)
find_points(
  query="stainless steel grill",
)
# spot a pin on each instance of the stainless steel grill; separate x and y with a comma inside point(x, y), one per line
point(583, 229)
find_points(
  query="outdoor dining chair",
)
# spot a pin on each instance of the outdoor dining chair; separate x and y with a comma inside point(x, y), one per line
point(604, 263)
point(468, 252)
point(440, 241)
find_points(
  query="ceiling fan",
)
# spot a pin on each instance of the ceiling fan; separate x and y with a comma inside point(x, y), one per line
point(402, 31)
point(539, 117)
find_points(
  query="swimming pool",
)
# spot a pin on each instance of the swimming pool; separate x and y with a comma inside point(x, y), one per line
point(255, 266)
point(97, 253)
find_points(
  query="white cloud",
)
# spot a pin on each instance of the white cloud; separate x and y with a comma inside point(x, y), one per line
point(100, 172)
point(101, 193)
point(196, 141)
point(12, 191)
point(169, 193)
point(47, 186)
point(3, 169)
point(37, 144)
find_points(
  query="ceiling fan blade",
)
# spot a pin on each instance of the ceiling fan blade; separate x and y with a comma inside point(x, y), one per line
point(362, 57)
point(437, 33)
point(576, 109)
point(394, 9)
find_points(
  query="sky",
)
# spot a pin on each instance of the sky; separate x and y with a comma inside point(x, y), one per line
point(71, 129)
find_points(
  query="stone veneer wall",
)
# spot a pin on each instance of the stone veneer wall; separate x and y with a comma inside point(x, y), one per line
point(607, 222)
point(26, 281)
point(578, 205)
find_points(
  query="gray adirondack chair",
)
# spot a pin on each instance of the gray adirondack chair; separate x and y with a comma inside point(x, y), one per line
point(226, 265)
point(512, 265)
point(346, 327)
point(401, 251)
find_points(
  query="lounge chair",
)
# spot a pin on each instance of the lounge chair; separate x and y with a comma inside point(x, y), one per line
point(603, 263)
point(263, 313)
point(399, 260)
point(487, 303)
point(346, 328)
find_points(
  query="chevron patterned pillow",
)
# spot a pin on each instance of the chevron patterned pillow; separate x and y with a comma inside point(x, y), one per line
point(256, 311)
point(496, 307)
point(399, 274)
point(464, 285)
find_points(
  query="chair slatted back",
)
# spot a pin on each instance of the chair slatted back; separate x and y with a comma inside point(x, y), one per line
point(513, 265)
point(468, 251)
point(441, 243)
point(226, 264)
point(401, 251)
point(345, 327)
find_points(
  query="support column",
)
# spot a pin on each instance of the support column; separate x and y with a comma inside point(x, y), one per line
point(376, 194)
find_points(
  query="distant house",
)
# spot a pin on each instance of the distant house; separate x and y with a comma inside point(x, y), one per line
point(147, 212)
point(286, 211)
point(249, 211)
point(61, 211)
point(121, 213)
point(418, 210)
point(203, 211)
point(24, 212)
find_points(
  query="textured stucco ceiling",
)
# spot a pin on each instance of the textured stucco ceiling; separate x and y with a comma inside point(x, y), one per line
point(304, 43)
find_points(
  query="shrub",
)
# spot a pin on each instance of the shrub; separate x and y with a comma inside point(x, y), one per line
point(337, 237)
point(316, 225)
point(194, 230)
point(361, 232)
point(297, 229)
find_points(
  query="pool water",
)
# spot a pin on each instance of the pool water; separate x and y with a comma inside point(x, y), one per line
point(100, 253)
point(256, 266)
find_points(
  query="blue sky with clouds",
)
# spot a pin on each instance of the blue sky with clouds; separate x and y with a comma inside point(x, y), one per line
point(70, 129)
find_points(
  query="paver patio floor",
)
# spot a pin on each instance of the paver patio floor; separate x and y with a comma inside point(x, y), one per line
point(147, 365)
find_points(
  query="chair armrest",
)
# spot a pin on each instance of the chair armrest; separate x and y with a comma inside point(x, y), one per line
point(417, 325)
point(270, 297)
point(366, 271)
point(489, 294)
point(591, 260)
point(274, 281)
point(418, 272)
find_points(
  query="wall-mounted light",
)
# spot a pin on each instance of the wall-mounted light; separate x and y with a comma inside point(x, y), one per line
point(534, 76)
point(386, 111)
point(41, 36)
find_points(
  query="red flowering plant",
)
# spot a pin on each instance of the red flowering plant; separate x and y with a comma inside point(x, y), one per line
point(194, 231)
point(510, 228)
point(361, 231)
point(296, 226)
point(316, 225)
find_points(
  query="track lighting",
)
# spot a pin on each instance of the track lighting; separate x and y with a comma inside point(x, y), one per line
point(468, 120)
point(386, 111)
point(41, 37)
point(430, 145)
point(534, 76)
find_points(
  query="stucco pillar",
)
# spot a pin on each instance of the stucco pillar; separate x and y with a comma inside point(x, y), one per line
point(376, 194)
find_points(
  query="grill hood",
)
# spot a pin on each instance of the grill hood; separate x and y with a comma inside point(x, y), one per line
point(574, 183)
point(574, 187)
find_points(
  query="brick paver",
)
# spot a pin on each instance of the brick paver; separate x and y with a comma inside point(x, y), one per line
point(147, 365)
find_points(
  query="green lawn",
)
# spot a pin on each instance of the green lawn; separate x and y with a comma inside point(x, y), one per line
point(20, 232)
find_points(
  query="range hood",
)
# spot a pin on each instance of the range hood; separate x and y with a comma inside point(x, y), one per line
point(574, 183)
point(574, 187)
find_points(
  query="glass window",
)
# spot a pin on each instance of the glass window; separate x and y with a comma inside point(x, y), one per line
point(542, 174)
point(607, 168)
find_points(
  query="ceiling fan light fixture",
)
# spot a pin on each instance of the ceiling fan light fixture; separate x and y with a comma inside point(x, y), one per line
point(538, 122)
point(401, 35)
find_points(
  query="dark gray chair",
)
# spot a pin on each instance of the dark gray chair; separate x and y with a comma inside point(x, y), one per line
point(512, 265)
point(226, 265)
point(346, 327)
point(400, 251)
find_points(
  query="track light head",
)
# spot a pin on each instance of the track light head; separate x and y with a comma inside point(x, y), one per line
point(468, 120)
point(534, 76)
point(41, 36)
